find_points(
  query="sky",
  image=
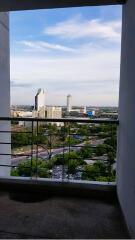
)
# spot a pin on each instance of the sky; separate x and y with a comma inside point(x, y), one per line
point(66, 51)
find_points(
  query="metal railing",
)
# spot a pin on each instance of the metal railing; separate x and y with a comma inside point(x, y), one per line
point(64, 149)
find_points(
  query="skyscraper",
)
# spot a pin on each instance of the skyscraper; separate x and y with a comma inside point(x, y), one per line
point(69, 105)
point(39, 99)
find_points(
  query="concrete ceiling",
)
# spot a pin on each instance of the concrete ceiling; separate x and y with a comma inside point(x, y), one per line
point(16, 5)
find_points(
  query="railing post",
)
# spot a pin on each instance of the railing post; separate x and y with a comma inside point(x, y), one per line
point(37, 144)
point(32, 134)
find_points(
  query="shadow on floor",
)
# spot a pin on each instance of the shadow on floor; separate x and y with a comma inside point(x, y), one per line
point(58, 217)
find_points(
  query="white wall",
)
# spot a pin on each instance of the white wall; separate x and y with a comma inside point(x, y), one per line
point(126, 136)
point(4, 92)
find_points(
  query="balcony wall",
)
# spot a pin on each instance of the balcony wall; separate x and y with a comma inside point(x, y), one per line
point(126, 139)
point(4, 92)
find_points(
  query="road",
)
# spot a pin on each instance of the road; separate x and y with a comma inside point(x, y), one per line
point(45, 154)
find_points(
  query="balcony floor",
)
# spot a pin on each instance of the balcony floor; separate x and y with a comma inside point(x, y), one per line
point(59, 217)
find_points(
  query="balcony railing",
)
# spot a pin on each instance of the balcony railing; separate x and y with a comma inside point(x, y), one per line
point(63, 149)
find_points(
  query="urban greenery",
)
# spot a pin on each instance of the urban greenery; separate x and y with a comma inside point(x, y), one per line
point(51, 136)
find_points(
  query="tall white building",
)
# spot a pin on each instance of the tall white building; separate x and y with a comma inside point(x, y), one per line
point(39, 99)
point(69, 104)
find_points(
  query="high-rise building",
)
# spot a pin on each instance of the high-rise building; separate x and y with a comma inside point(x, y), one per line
point(39, 99)
point(69, 105)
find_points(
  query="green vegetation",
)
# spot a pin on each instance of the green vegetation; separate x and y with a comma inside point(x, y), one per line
point(51, 136)
point(98, 172)
point(86, 151)
point(22, 139)
point(32, 168)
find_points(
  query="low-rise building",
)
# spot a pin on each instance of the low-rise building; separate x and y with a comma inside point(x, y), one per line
point(54, 112)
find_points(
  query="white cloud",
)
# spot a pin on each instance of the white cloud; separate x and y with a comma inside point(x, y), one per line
point(44, 46)
point(79, 28)
point(101, 65)
point(92, 78)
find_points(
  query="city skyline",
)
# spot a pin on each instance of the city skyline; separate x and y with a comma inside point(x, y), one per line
point(74, 51)
point(34, 103)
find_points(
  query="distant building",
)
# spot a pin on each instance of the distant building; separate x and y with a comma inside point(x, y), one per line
point(41, 112)
point(81, 110)
point(53, 112)
point(39, 99)
point(34, 114)
point(21, 113)
point(91, 113)
point(69, 104)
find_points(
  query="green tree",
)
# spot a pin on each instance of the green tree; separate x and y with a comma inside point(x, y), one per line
point(111, 142)
point(31, 168)
point(93, 172)
point(100, 150)
point(72, 165)
point(71, 141)
point(20, 139)
point(86, 151)
point(83, 130)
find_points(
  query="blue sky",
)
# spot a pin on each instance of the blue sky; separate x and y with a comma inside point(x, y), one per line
point(66, 51)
